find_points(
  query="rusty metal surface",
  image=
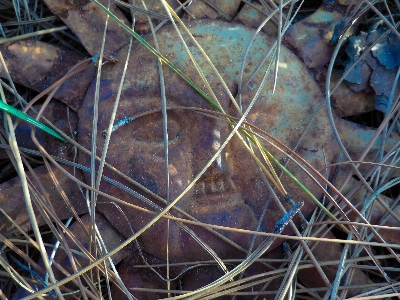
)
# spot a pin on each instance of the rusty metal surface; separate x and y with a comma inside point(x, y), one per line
point(63, 118)
point(142, 277)
point(141, 19)
point(330, 252)
point(310, 37)
point(87, 21)
point(37, 65)
point(378, 215)
point(60, 115)
point(346, 102)
point(109, 234)
point(231, 192)
point(110, 237)
point(253, 15)
point(212, 9)
point(137, 150)
point(13, 203)
point(311, 40)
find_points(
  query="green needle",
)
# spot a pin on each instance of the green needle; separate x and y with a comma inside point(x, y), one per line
point(15, 112)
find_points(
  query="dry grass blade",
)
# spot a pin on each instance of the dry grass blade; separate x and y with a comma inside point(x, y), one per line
point(249, 260)
point(287, 281)
point(29, 35)
point(332, 122)
point(20, 168)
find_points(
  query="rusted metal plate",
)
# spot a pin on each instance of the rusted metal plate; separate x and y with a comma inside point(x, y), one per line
point(37, 65)
point(154, 6)
point(378, 210)
point(213, 9)
point(311, 40)
point(331, 252)
point(110, 237)
point(137, 149)
point(346, 102)
point(63, 118)
point(60, 115)
point(231, 192)
point(87, 21)
point(253, 15)
point(13, 203)
point(310, 37)
point(143, 278)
